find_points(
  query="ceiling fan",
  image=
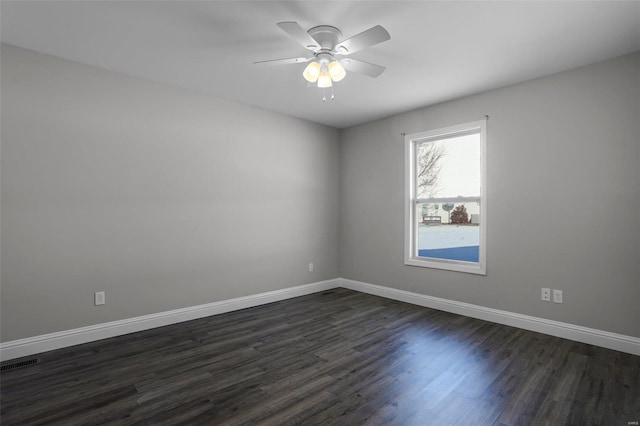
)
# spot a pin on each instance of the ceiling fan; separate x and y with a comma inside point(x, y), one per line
point(326, 44)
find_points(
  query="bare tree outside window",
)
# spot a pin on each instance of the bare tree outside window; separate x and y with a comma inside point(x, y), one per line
point(428, 169)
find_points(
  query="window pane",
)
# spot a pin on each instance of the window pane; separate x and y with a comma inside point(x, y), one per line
point(448, 168)
point(449, 231)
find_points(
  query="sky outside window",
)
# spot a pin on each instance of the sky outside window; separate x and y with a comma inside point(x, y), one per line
point(459, 168)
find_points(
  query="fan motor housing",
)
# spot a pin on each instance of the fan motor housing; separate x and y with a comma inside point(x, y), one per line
point(326, 36)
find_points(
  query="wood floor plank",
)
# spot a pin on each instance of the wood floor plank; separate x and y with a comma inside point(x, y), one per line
point(334, 357)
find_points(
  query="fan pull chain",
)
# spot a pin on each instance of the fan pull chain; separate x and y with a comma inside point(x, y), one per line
point(324, 94)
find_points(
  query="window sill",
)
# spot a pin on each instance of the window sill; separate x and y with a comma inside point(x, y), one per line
point(449, 265)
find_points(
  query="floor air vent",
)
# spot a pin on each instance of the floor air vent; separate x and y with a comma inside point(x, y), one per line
point(19, 364)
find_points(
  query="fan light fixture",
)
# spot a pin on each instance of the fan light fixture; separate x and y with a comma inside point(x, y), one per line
point(312, 72)
point(324, 79)
point(336, 70)
point(324, 74)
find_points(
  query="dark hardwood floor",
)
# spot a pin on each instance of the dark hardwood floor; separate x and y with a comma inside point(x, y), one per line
point(336, 357)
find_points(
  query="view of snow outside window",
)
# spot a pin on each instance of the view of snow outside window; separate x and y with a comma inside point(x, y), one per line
point(448, 190)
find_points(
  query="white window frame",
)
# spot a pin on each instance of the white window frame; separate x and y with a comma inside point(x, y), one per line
point(411, 201)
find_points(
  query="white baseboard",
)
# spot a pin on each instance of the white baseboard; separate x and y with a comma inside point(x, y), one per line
point(62, 339)
point(577, 333)
point(47, 342)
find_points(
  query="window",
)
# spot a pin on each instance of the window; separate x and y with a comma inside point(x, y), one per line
point(445, 198)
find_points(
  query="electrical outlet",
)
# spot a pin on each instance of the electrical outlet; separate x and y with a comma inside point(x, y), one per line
point(311, 267)
point(557, 296)
point(99, 298)
point(546, 294)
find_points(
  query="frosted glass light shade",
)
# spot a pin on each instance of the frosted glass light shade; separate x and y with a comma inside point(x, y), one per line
point(311, 72)
point(336, 70)
point(324, 80)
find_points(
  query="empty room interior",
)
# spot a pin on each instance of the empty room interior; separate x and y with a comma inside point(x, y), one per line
point(301, 212)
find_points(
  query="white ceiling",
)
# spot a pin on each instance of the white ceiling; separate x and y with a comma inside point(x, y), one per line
point(438, 50)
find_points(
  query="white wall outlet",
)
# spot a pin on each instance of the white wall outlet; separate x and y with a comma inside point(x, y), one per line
point(557, 296)
point(99, 298)
point(546, 294)
point(311, 267)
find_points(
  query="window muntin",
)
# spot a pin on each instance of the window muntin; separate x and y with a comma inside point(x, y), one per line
point(445, 198)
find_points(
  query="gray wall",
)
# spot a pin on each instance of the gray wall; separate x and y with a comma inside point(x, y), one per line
point(160, 197)
point(563, 198)
point(165, 199)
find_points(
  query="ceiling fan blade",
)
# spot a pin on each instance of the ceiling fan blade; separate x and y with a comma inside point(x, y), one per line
point(361, 67)
point(373, 35)
point(299, 34)
point(284, 61)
